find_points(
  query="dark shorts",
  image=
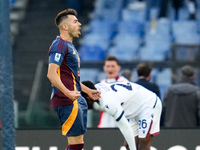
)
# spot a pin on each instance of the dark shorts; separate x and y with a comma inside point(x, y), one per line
point(79, 125)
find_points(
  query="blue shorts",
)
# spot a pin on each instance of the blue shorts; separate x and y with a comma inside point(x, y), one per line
point(79, 125)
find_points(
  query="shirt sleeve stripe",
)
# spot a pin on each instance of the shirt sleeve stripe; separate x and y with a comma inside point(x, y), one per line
point(62, 45)
point(59, 45)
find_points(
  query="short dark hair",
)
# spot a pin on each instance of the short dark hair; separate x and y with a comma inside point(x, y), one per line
point(188, 72)
point(63, 15)
point(127, 74)
point(144, 69)
point(90, 85)
point(112, 58)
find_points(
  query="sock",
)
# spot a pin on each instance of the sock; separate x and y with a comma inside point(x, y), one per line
point(75, 147)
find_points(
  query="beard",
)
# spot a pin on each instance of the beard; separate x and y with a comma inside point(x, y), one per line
point(74, 33)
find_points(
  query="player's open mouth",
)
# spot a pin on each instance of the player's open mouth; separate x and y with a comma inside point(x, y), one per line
point(79, 31)
point(110, 73)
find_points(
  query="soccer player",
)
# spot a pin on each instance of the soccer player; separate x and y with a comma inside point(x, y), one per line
point(135, 109)
point(64, 74)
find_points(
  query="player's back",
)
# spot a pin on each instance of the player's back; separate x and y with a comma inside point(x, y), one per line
point(132, 97)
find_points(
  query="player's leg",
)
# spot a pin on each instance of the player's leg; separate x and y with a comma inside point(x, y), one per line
point(134, 125)
point(74, 130)
point(74, 119)
point(75, 143)
point(150, 126)
point(141, 143)
point(136, 142)
point(75, 139)
point(145, 143)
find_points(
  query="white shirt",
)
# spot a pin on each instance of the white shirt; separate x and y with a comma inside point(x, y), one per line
point(125, 100)
point(131, 97)
point(106, 121)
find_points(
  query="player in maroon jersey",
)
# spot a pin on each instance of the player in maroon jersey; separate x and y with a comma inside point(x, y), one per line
point(64, 74)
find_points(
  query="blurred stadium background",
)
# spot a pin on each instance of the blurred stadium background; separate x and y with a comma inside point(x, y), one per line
point(127, 29)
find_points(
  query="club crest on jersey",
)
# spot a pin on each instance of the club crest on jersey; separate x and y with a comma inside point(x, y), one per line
point(74, 51)
point(57, 57)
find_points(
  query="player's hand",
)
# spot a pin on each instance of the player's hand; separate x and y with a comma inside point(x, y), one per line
point(94, 94)
point(73, 95)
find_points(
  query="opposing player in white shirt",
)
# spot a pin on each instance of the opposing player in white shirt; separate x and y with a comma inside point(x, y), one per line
point(135, 110)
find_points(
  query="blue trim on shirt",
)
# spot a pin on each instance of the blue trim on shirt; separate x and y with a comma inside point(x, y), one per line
point(155, 102)
point(120, 116)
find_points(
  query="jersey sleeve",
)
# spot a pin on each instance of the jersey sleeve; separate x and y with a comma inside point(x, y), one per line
point(127, 132)
point(56, 56)
point(114, 108)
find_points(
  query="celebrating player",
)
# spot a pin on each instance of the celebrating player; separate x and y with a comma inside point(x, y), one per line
point(64, 74)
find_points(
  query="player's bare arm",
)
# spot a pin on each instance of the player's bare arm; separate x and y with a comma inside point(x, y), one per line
point(55, 80)
point(93, 94)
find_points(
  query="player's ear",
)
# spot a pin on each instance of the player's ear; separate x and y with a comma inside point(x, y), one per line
point(65, 26)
